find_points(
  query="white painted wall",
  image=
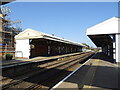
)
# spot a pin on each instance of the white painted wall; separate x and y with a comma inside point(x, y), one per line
point(22, 48)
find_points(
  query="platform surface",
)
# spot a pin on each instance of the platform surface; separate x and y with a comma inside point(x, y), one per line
point(36, 59)
point(99, 73)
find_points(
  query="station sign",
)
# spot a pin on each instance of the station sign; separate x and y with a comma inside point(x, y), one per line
point(3, 44)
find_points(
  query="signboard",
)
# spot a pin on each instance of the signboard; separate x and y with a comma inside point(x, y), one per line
point(3, 44)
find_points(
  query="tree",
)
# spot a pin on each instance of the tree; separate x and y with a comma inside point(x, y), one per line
point(86, 45)
point(8, 24)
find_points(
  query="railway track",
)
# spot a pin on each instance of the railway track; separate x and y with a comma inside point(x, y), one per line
point(47, 72)
point(45, 64)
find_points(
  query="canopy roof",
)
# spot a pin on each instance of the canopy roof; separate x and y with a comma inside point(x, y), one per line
point(109, 26)
point(33, 34)
point(101, 33)
point(101, 40)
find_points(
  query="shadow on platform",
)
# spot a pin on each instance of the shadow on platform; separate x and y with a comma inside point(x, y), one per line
point(106, 74)
point(105, 78)
point(104, 57)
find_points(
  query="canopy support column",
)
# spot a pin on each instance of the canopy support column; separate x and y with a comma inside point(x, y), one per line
point(117, 47)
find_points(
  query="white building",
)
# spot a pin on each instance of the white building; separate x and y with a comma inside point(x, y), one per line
point(32, 43)
point(107, 36)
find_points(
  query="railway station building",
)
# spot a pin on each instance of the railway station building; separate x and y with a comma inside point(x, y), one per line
point(31, 43)
point(107, 36)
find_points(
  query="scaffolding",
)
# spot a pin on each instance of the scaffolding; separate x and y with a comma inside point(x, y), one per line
point(7, 33)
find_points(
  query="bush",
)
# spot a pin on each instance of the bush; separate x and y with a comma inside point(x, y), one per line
point(9, 56)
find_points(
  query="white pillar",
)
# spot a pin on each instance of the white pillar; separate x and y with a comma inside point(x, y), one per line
point(114, 50)
point(114, 46)
point(117, 47)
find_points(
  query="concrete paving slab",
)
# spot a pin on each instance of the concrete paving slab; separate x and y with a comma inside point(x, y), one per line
point(99, 73)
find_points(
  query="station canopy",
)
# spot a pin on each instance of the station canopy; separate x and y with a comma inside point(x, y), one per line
point(101, 33)
point(33, 34)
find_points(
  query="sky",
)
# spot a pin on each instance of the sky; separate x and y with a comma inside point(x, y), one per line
point(68, 20)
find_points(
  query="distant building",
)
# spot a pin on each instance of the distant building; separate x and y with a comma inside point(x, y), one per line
point(31, 43)
point(7, 41)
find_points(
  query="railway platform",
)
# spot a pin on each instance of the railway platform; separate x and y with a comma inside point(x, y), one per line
point(98, 73)
point(16, 62)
